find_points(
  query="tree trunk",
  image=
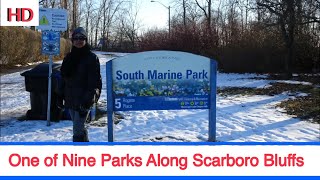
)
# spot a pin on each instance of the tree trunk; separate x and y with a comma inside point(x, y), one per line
point(74, 14)
point(64, 5)
point(291, 28)
point(184, 12)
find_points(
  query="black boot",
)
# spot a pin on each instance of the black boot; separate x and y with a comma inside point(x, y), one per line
point(81, 138)
point(85, 138)
point(78, 138)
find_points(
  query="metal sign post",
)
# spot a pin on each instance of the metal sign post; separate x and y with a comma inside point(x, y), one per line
point(213, 99)
point(49, 90)
point(50, 46)
point(110, 102)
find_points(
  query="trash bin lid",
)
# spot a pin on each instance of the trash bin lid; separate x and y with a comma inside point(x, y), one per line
point(42, 70)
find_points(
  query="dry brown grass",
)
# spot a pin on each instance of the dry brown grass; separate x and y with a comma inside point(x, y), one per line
point(306, 108)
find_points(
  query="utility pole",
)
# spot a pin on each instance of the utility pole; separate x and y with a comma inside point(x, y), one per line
point(168, 7)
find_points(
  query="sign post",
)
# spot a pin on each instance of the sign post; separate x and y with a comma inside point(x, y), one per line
point(161, 80)
point(110, 100)
point(51, 22)
point(49, 91)
point(213, 99)
point(50, 46)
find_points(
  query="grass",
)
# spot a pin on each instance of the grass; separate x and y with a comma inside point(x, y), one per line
point(306, 108)
point(276, 88)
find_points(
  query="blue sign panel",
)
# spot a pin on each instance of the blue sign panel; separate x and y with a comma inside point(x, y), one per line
point(50, 43)
point(161, 103)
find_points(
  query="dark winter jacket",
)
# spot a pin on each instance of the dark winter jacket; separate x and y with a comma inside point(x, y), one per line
point(82, 80)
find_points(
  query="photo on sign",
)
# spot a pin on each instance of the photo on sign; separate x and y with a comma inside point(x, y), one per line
point(162, 87)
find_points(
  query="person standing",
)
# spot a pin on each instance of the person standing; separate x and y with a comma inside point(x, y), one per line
point(82, 84)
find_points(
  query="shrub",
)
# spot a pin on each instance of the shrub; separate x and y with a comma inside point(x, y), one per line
point(21, 46)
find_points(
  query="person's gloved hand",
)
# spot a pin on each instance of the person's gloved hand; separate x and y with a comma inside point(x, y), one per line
point(83, 111)
point(88, 101)
point(59, 104)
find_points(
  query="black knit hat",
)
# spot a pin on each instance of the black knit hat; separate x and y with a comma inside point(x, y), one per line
point(79, 30)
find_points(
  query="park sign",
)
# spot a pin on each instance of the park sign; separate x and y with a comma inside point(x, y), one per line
point(50, 43)
point(161, 80)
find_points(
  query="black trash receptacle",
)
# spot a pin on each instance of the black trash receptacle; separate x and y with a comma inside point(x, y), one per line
point(36, 82)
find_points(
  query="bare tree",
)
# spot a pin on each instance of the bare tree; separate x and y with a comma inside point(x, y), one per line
point(286, 17)
point(64, 5)
point(75, 12)
point(131, 23)
point(188, 11)
point(206, 9)
point(109, 9)
point(88, 9)
point(97, 20)
point(184, 7)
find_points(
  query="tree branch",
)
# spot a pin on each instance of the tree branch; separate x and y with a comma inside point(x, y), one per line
point(312, 19)
point(203, 9)
point(269, 7)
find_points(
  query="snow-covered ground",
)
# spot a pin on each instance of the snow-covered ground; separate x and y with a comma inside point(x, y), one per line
point(239, 118)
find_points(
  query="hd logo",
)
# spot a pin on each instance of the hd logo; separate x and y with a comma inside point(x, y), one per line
point(19, 12)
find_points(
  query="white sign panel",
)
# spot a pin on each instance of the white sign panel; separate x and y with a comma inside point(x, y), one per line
point(53, 19)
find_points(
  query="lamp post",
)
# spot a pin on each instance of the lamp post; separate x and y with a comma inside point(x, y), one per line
point(168, 7)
